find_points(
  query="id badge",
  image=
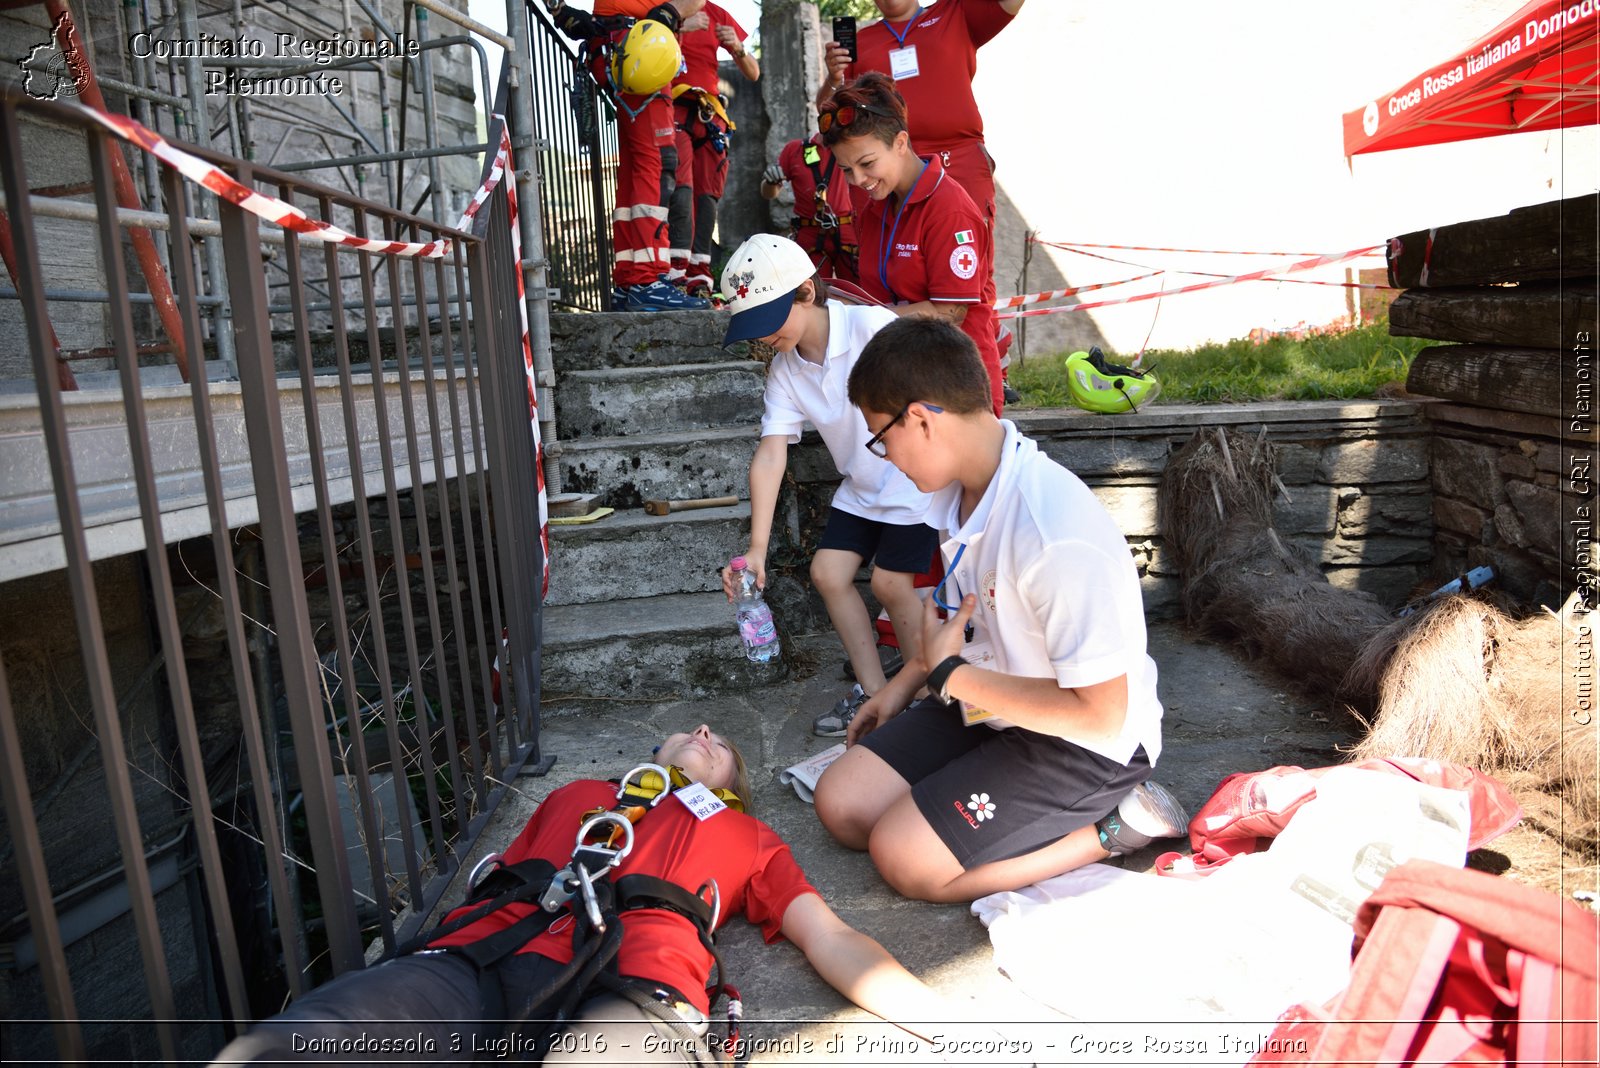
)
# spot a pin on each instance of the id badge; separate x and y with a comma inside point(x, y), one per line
point(903, 63)
point(978, 654)
point(698, 799)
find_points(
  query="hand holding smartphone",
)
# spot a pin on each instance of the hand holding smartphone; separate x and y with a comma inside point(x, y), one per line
point(844, 34)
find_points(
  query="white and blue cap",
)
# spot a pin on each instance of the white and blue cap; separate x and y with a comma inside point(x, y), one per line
point(759, 284)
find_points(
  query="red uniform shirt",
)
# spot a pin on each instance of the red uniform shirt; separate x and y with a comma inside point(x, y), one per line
point(935, 247)
point(803, 179)
point(637, 9)
point(754, 870)
point(700, 48)
point(939, 56)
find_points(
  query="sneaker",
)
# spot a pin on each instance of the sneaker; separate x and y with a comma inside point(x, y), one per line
point(835, 722)
point(657, 296)
point(1009, 395)
point(1148, 812)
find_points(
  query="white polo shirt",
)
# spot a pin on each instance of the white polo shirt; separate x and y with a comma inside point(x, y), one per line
point(1058, 591)
point(799, 391)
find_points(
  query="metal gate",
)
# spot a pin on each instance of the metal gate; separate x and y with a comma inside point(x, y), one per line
point(356, 519)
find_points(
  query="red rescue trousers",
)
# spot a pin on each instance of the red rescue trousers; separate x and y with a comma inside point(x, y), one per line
point(639, 225)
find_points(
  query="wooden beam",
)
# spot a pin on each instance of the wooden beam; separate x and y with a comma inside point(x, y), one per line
point(1552, 240)
point(1539, 381)
point(1537, 315)
point(1504, 422)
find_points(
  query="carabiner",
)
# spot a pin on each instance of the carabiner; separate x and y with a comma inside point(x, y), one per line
point(590, 905)
point(617, 852)
point(666, 782)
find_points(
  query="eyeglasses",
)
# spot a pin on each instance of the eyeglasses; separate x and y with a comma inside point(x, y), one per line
point(847, 115)
point(875, 444)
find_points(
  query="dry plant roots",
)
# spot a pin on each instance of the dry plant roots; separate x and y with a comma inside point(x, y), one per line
point(1458, 680)
point(1464, 682)
point(1242, 582)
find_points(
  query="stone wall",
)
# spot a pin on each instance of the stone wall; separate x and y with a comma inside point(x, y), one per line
point(1508, 493)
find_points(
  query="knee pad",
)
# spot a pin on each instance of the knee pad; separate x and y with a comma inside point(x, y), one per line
point(669, 172)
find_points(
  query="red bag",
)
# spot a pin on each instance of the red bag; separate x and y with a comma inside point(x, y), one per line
point(1456, 966)
point(1249, 809)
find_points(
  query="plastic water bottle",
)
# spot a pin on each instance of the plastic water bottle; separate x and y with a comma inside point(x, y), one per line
point(756, 629)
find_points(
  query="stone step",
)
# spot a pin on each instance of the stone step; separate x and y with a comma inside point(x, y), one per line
point(655, 648)
point(634, 554)
point(587, 342)
point(613, 401)
point(672, 465)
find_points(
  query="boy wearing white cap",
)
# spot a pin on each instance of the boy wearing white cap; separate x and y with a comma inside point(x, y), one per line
point(777, 299)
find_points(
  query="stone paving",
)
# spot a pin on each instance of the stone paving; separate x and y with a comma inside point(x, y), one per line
point(1222, 715)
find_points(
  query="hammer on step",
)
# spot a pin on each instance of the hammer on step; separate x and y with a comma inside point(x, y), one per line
point(667, 507)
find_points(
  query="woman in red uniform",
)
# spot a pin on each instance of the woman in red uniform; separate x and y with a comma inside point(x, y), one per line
point(931, 52)
point(436, 1006)
point(926, 248)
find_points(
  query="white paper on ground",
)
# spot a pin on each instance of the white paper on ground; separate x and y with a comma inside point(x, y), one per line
point(804, 775)
point(1266, 931)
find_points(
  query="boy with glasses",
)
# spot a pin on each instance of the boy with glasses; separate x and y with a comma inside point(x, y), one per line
point(1031, 754)
point(778, 299)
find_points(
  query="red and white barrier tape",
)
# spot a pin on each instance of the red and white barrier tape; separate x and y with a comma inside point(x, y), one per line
point(502, 165)
point(1073, 246)
point(1252, 276)
point(292, 218)
point(269, 208)
point(1057, 294)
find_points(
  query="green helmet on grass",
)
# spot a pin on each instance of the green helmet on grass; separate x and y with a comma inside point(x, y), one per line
point(1097, 385)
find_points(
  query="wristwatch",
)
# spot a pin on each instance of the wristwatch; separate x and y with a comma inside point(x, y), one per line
point(939, 677)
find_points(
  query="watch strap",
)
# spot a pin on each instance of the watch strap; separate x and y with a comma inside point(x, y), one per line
point(939, 677)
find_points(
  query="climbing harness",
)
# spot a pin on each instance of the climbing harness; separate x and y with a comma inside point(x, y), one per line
point(585, 890)
point(828, 223)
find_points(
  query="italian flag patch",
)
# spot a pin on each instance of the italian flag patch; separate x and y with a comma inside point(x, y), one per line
point(964, 237)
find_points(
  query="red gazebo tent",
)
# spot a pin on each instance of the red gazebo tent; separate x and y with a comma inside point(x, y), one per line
point(1538, 70)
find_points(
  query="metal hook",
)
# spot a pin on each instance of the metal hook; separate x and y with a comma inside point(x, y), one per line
point(618, 852)
point(590, 905)
point(666, 781)
point(716, 901)
point(477, 869)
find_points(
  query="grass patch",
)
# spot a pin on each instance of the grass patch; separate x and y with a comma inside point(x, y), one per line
point(1356, 363)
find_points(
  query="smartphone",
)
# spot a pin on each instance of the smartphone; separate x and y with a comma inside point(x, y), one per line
point(844, 33)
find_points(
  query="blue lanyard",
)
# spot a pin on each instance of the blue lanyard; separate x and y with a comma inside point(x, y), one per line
point(886, 248)
point(900, 38)
point(950, 573)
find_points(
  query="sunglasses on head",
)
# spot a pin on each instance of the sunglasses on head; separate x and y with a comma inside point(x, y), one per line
point(846, 115)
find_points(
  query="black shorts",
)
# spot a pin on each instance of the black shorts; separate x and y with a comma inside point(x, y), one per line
point(892, 546)
point(993, 795)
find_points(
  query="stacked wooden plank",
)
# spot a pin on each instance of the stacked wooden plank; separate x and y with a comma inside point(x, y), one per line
point(1515, 424)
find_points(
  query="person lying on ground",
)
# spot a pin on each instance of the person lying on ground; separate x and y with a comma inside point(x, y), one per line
point(486, 986)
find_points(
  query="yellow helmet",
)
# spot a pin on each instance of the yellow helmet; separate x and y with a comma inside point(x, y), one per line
point(646, 59)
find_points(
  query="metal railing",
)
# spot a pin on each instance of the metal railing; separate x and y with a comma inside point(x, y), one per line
point(395, 531)
point(576, 124)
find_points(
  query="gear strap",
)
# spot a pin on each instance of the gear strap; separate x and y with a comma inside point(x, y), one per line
point(706, 100)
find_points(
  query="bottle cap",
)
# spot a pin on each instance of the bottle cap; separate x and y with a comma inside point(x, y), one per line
point(737, 563)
